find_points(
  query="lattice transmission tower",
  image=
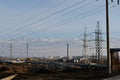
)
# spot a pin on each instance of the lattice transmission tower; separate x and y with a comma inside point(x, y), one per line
point(85, 46)
point(98, 43)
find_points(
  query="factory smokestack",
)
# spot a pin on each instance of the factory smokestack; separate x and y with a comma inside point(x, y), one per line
point(67, 52)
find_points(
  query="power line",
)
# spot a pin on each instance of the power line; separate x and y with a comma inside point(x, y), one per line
point(21, 28)
point(59, 4)
point(70, 19)
point(81, 17)
point(69, 12)
point(89, 13)
point(85, 14)
point(46, 17)
point(75, 16)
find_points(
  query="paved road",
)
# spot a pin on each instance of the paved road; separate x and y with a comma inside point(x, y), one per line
point(9, 77)
point(113, 78)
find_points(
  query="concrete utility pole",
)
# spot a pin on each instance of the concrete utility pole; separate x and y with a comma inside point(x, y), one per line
point(11, 51)
point(108, 34)
point(27, 50)
point(108, 39)
point(2, 48)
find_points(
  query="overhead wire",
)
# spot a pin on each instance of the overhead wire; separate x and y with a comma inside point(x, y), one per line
point(82, 15)
point(46, 17)
point(57, 5)
point(85, 15)
point(70, 11)
point(88, 14)
point(69, 18)
point(18, 29)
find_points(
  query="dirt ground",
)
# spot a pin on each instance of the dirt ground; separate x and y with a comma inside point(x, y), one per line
point(69, 76)
point(33, 72)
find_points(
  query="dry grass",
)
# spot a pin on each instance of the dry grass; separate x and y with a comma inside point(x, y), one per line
point(32, 72)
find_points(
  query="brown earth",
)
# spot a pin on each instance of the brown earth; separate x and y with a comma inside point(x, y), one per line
point(35, 72)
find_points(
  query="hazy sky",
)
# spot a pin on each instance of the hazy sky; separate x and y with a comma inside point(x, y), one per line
point(55, 19)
